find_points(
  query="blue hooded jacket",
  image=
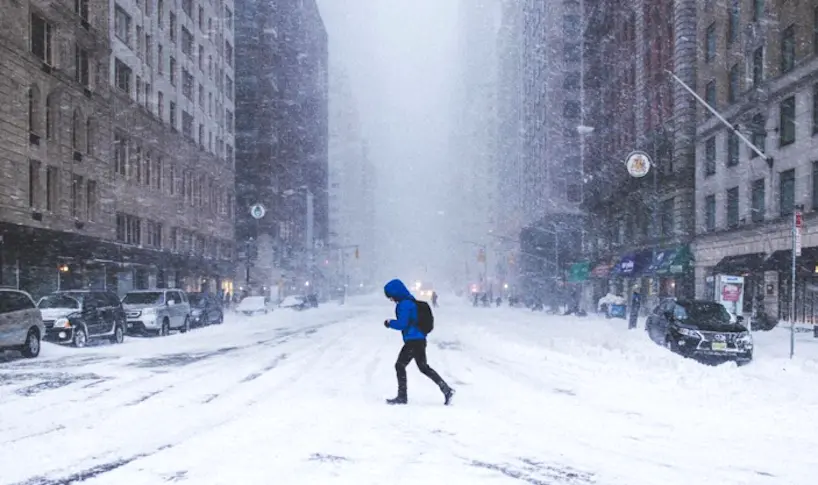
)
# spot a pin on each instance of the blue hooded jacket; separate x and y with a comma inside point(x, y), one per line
point(406, 312)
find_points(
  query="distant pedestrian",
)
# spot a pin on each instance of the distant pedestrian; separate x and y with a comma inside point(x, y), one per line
point(414, 340)
point(434, 299)
point(636, 303)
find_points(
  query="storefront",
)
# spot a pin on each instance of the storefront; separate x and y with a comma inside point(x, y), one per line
point(674, 269)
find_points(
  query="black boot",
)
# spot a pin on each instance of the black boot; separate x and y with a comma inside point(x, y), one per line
point(399, 399)
point(448, 394)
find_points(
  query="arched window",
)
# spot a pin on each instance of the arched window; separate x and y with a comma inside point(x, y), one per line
point(77, 127)
point(34, 121)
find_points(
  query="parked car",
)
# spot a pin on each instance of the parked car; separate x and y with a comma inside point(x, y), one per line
point(21, 324)
point(296, 302)
point(700, 329)
point(253, 304)
point(75, 317)
point(205, 309)
point(157, 311)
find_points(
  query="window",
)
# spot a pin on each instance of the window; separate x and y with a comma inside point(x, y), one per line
point(201, 57)
point(138, 88)
point(666, 221)
point(139, 36)
point(228, 53)
point(759, 134)
point(571, 81)
point(571, 110)
point(228, 88)
point(148, 89)
point(157, 174)
point(187, 124)
point(42, 34)
point(77, 124)
point(710, 97)
point(758, 10)
point(571, 52)
point(128, 228)
point(160, 60)
point(201, 135)
point(786, 183)
point(710, 156)
point(210, 66)
point(91, 200)
point(147, 171)
point(90, 133)
point(710, 213)
point(82, 73)
point(758, 202)
point(33, 110)
point(76, 198)
point(571, 28)
point(732, 149)
point(52, 187)
point(201, 96)
point(187, 84)
point(786, 121)
point(154, 230)
point(732, 208)
point(187, 42)
point(228, 120)
point(734, 84)
point(788, 49)
point(81, 9)
point(710, 43)
point(172, 26)
point(160, 104)
point(160, 13)
point(815, 108)
point(122, 25)
point(49, 115)
point(229, 157)
point(148, 50)
point(172, 69)
point(815, 30)
point(135, 167)
point(172, 115)
point(120, 153)
point(733, 21)
point(187, 7)
point(122, 73)
point(758, 66)
point(228, 18)
point(33, 182)
point(201, 19)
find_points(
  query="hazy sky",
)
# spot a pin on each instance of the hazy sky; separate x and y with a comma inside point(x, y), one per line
point(400, 56)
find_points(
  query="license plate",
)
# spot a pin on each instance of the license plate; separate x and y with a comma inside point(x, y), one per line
point(718, 346)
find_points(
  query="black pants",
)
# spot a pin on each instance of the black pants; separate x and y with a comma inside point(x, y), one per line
point(415, 349)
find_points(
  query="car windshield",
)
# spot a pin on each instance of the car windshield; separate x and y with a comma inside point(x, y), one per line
point(144, 298)
point(195, 299)
point(58, 301)
point(701, 311)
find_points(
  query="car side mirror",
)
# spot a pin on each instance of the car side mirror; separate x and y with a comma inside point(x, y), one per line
point(170, 303)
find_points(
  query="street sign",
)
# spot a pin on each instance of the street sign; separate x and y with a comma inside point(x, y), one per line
point(638, 164)
point(257, 211)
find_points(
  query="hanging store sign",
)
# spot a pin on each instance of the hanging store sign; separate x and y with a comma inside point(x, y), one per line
point(638, 164)
point(257, 211)
point(799, 221)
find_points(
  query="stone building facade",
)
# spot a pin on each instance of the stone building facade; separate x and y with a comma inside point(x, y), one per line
point(757, 64)
point(634, 104)
point(93, 192)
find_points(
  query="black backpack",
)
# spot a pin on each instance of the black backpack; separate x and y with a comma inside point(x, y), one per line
point(426, 321)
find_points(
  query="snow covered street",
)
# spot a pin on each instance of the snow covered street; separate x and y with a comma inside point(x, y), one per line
point(298, 398)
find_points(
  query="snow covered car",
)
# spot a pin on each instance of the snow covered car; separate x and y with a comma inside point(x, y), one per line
point(252, 305)
point(700, 329)
point(294, 302)
point(205, 309)
point(75, 317)
point(157, 311)
point(21, 324)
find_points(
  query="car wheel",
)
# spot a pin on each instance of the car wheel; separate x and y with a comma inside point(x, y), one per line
point(186, 327)
point(165, 330)
point(119, 335)
point(80, 338)
point(31, 348)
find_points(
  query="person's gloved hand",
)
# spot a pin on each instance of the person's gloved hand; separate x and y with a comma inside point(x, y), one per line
point(386, 323)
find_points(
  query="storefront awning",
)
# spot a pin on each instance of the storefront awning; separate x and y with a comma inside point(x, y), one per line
point(578, 272)
point(782, 261)
point(740, 264)
point(676, 261)
point(633, 264)
point(662, 258)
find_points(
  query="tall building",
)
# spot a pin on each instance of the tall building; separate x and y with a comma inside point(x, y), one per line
point(757, 64)
point(352, 195)
point(282, 125)
point(551, 145)
point(471, 212)
point(635, 105)
point(118, 170)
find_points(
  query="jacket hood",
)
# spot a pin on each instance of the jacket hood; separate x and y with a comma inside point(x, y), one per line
point(397, 290)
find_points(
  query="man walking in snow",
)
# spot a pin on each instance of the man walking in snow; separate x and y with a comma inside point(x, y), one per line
point(414, 341)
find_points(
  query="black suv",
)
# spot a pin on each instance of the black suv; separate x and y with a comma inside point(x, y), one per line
point(205, 308)
point(74, 317)
point(700, 329)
